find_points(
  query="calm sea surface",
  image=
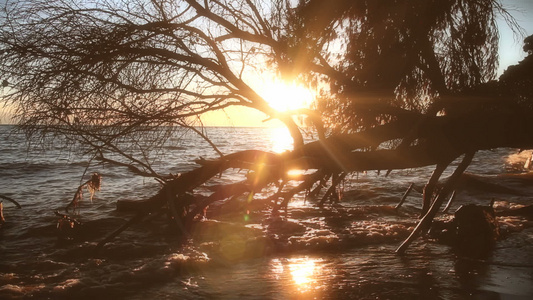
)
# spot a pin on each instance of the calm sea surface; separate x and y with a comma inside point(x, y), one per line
point(344, 251)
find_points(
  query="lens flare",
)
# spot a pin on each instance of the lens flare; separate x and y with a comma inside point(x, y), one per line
point(283, 96)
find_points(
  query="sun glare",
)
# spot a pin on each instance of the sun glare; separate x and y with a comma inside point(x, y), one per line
point(281, 139)
point(286, 96)
point(305, 273)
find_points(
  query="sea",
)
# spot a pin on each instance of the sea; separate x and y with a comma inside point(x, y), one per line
point(241, 249)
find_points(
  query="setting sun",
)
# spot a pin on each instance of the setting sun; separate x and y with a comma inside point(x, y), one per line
point(286, 96)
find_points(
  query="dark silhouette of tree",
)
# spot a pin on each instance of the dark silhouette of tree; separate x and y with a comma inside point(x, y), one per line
point(383, 58)
point(406, 87)
point(517, 81)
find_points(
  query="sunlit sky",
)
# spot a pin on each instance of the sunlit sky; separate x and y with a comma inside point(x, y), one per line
point(274, 91)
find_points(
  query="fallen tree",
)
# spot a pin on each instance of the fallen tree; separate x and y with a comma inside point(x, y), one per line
point(439, 141)
point(402, 85)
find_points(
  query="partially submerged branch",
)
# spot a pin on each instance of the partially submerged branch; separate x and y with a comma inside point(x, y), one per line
point(439, 141)
point(11, 200)
point(402, 200)
point(306, 184)
point(443, 194)
point(92, 185)
point(331, 194)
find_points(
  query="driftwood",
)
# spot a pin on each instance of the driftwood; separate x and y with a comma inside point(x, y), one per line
point(432, 141)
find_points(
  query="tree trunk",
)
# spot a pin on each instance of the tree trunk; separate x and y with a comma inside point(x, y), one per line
point(435, 141)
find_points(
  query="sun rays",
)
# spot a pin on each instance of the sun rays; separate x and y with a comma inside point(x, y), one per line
point(283, 96)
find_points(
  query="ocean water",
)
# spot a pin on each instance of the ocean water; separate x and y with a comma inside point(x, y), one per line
point(241, 250)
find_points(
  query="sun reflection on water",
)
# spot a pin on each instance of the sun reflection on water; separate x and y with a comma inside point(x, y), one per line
point(304, 273)
point(280, 139)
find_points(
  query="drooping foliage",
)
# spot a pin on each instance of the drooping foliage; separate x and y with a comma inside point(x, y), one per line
point(390, 56)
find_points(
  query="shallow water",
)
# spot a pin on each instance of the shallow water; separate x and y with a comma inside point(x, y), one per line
point(341, 251)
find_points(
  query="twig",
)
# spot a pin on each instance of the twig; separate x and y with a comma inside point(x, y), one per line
point(405, 195)
point(305, 185)
point(449, 202)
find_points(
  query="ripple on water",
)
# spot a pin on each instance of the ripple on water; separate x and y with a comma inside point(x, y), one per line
point(340, 251)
